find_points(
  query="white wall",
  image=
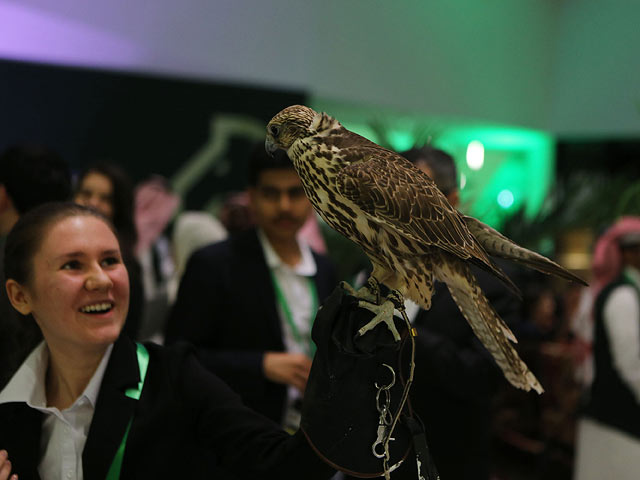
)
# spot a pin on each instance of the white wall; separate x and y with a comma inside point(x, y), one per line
point(247, 41)
point(510, 61)
point(474, 59)
point(596, 89)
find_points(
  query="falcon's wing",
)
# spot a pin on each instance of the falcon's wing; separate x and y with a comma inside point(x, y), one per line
point(403, 198)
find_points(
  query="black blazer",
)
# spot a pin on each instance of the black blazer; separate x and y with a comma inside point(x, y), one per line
point(455, 380)
point(610, 400)
point(226, 307)
point(186, 421)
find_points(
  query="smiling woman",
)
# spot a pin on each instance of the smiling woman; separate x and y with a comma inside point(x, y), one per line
point(75, 272)
point(85, 390)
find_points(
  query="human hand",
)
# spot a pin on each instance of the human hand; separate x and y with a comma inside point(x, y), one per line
point(287, 368)
point(5, 467)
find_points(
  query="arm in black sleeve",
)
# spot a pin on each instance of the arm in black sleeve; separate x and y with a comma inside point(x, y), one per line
point(202, 315)
point(245, 442)
point(466, 371)
point(447, 350)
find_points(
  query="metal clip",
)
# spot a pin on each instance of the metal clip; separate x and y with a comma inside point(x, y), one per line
point(391, 384)
point(385, 419)
point(382, 436)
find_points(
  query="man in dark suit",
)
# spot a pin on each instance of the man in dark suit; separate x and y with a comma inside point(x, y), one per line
point(455, 376)
point(248, 303)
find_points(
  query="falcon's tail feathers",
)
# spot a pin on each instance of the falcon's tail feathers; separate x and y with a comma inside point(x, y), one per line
point(500, 246)
point(491, 330)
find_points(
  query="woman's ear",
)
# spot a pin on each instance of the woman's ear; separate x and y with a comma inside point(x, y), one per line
point(18, 297)
point(4, 198)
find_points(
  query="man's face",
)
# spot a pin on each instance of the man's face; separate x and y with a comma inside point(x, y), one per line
point(279, 203)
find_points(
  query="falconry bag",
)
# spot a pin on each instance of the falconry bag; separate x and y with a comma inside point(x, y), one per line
point(352, 380)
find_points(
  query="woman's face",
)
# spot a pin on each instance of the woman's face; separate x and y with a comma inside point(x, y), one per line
point(96, 190)
point(79, 288)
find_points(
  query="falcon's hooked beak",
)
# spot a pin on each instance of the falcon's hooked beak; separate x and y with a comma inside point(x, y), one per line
point(270, 146)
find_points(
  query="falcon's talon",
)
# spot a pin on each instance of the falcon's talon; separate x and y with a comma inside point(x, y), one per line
point(350, 290)
point(384, 313)
point(397, 299)
point(363, 293)
point(373, 286)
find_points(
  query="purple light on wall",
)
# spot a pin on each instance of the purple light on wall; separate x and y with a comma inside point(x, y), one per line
point(27, 33)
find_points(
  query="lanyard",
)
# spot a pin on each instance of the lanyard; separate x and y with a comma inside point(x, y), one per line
point(143, 363)
point(311, 349)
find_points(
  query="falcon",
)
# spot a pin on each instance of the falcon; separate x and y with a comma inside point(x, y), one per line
point(406, 227)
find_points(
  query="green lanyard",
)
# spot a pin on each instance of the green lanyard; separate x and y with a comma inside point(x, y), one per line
point(311, 350)
point(632, 280)
point(143, 363)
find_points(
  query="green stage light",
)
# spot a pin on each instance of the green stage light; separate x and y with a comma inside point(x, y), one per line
point(401, 140)
point(505, 198)
point(516, 160)
point(475, 155)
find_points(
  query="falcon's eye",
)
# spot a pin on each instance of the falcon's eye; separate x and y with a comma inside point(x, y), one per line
point(274, 130)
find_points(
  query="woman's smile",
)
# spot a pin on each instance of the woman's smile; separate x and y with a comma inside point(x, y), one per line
point(80, 288)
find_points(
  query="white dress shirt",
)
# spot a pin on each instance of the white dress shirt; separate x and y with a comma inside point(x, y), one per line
point(622, 321)
point(294, 284)
point(64, 433)
point(603, 451)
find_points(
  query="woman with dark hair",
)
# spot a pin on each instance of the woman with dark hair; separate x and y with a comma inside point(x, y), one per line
point(90, 403)
point(108, 189)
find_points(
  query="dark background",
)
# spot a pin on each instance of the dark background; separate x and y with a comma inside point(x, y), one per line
point(147, 124)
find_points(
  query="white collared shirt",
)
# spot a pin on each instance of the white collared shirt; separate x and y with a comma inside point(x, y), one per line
point(64, 433)
point(294, 283)
point(622, 320)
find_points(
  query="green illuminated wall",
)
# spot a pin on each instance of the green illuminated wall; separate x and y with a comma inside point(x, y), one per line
point(517, 171)
point(516, 174)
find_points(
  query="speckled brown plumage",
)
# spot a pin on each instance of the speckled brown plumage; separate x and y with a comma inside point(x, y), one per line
point(402, 221)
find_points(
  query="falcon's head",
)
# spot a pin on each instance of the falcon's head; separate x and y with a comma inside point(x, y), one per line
point(286, 127)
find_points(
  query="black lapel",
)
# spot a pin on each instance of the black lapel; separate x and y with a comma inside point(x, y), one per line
point(113, 409)
point(324, 277)
point(20, 429)
point(254, 277)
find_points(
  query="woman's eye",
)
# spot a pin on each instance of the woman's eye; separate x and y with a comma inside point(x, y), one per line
point(111, 261)
point(72, 265)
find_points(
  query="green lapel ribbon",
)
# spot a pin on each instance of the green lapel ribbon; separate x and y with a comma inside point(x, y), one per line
point(135, 393)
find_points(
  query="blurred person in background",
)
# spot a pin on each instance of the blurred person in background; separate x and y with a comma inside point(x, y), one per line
point(455, 375)
point(248, 303)
point(608, 439)
point(29, 176)
point(192, 230)
point(107, 188)
point(155, 206)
